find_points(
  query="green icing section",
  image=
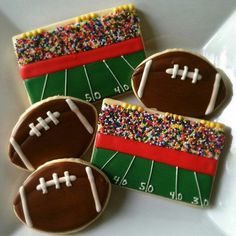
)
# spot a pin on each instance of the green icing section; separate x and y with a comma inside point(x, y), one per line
point(91, 82)
point(153, 177)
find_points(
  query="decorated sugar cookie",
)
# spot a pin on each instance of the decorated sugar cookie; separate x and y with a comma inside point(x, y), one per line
point(62, 196)
point(54, 128)
point(159, 153)
point(89, 57)
point(180, 82)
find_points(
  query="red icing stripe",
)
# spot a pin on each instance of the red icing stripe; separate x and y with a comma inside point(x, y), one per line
point(167, 156)
point(68, 61)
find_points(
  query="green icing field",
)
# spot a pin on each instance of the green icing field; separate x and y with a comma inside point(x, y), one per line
point(91, 82)
point(153, 177)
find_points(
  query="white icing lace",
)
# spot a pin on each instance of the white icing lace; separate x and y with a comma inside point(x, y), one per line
point(67, 179)
point(194, 75)
point(43, 123)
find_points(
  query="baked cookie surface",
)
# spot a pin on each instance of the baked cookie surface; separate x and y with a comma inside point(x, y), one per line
point(54, 128)
point(89, 57)
point(62, 196)
point(180, 82)
point(159, 153)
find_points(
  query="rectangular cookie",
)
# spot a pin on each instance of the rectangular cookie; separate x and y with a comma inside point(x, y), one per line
point(159, 153)
point(89, 57)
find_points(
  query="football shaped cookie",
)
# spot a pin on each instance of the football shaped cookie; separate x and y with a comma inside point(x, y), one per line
point(62, 196)
point(180, 82)
point(54, 128)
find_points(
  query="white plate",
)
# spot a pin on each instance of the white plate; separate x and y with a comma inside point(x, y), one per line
point(188, 24)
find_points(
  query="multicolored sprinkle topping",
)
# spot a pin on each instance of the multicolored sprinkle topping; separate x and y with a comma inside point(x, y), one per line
point(169, 131)
point(86, 34)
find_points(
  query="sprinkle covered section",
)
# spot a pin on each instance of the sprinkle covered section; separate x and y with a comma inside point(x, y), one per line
point(161, 130)
point(85, 35)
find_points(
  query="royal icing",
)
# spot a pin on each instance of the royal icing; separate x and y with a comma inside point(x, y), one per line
point(179, 82)
point(93, 188)
point(97, 65)
point(81, 117)
point(25, 207)
point(21, 154)
point(214, 94)
point(157, 153)
point(43, 123)
point(195, 76)
point(144, 78)
point(67, 179)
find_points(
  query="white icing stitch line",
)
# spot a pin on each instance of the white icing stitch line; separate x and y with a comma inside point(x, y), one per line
point(113, 75)
point(109, 160)
point(35, 130)
point(144, 78)
point(67, 179)
point(214, 94)
point(195, 76)
point(25, 207)
point(127, 62)
point(44, 86)
point(126, 172)
point(20, 153)
point(81, 117)
point(93, 188)
point(89, 84)
point(198, 188)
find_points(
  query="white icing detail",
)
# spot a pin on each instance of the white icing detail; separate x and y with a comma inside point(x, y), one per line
point(53, 116)
point(56, 180)
point(87, 77)
point(198, 188)
point(34, 130)
point(93, 189)
point(44, 86)
point(149, 177)
point(112, 73)
point(20, 153)
point(194, 75)
point(66, 79)
point(25, 207)
point(144, 78)
point(185, 73)
point(67, 179)
point(122, 179)
point(127, 62)
point(110, 159)
point(81, 117)
point(43, 123)
point(43, 185)
point(175, 71)
point(214, 94)
point(176, 182)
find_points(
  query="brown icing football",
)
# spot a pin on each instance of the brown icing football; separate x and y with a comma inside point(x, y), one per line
point(180, 82)
point(54, 128)
point(62, 196)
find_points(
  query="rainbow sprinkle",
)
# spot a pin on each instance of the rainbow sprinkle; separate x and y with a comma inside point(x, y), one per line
point(88, 34)
point(161, 130)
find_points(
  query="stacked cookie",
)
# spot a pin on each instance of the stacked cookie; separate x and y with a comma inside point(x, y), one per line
point(162, 148)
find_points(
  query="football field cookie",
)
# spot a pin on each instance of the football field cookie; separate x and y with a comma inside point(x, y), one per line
point(62, 196)
point(180, 82)
point(56, 127)
point(159, 153)
point(89, 57)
